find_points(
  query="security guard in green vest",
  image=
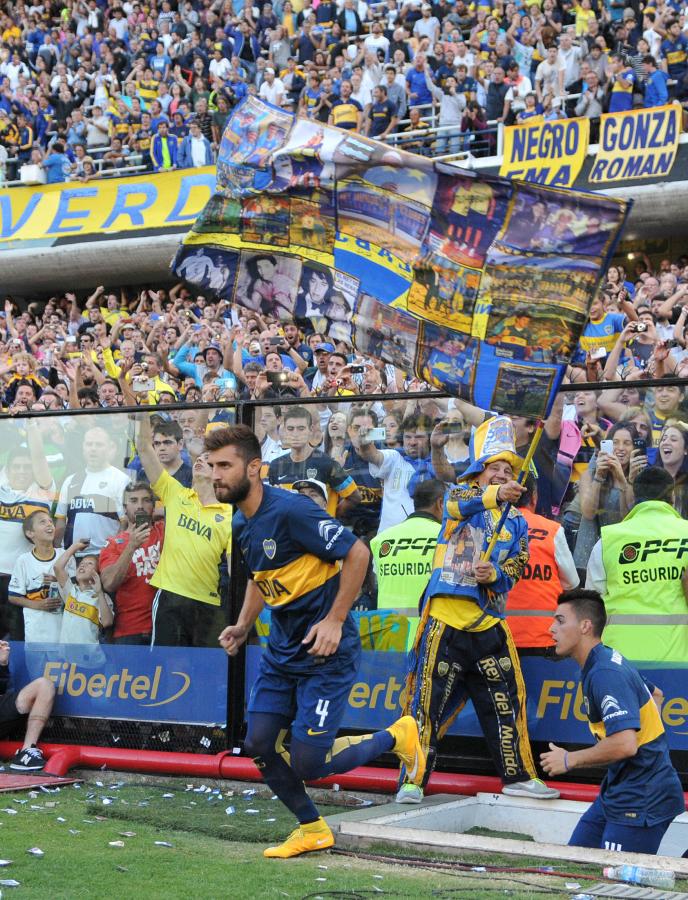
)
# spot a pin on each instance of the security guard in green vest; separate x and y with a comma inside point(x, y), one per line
point(639, 566)
point(402, 557)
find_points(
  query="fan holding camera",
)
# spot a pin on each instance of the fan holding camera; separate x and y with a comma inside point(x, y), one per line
point(275, 380)
point(639, 339)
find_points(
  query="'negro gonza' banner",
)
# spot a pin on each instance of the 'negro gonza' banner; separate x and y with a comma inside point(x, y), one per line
point(478, 285)
point(546, 152)
point(641, 143)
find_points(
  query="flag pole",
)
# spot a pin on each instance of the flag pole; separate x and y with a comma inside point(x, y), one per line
point(537, 434)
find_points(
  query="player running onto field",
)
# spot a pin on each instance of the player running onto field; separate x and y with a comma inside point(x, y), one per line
point(308, 569)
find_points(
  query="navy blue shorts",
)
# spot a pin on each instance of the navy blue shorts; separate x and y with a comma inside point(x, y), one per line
point(593, 830)
point(314, 703)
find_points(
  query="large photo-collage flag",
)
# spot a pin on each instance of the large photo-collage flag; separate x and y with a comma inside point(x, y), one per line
point(478, 285)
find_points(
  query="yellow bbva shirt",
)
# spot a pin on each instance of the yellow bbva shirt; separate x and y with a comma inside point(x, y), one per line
point(195, 538)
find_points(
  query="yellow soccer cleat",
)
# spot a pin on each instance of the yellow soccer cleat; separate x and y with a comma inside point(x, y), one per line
point(304, 839)
point(407, 747)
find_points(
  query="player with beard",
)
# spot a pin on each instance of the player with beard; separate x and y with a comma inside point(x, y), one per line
point(308, 569)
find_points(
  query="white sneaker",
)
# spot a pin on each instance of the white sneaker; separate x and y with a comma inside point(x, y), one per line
point(409, 793)
point(533, 788)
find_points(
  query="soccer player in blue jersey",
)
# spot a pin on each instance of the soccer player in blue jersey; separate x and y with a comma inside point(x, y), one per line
point(308, 569)
point(641, 792)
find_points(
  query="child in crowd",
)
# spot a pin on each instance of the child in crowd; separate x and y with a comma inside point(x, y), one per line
point(87, 608)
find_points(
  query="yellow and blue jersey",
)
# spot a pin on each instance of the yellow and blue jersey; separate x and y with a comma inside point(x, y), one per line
point(470, 516)
point(644, 789)
point(345, 113)
point(292, 550)
point(676, 54)
point(600, 333)
point(621, 97)
point(284, 471)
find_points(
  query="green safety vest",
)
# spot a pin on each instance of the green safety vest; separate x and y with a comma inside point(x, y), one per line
point(644, 558)
point(402, 556)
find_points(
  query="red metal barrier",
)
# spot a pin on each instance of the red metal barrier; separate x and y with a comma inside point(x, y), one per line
point(63, 757)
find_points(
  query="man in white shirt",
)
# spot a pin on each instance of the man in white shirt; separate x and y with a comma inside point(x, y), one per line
point(97, 129)
point(272, 89)
point(26, 486)
point(549, 76)
point(462, 54)
point(569, 56)
point(195, 151)
point(91, 501)
point(651, 34)
point(519, 88)
point(396, 468)
point(362, 94)
point(219, 66)
point(376, 40)
point(427, 26)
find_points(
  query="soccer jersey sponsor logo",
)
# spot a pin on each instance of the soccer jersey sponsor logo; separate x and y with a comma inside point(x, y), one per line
point(329, 531)
point(193, 525)
point(609, 703)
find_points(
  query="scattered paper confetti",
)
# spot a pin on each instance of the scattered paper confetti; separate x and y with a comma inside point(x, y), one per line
point(115, 843)
point(163, 844)
point(127, 834)
point(9, 882)
point(230, 810)
point(5, 862)
point(36, 851)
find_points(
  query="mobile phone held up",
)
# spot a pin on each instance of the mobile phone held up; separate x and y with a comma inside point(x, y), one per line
point(375, 434)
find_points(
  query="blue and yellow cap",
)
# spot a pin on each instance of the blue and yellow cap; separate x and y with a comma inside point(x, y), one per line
point(491, 441)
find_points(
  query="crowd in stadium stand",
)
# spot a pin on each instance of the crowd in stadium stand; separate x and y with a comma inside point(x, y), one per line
point(128, 348)
point(91, 87)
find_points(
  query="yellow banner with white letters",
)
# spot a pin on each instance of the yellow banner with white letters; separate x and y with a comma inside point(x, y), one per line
point(546, 152)
point(104, 206)
point(640, 143)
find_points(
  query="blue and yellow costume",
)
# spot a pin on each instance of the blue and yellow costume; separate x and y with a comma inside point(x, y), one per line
point(464, 648)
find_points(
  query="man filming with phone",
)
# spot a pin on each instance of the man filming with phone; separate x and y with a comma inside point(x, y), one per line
point(127, 563)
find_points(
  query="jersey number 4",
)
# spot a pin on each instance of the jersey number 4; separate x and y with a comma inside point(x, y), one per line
point(321, 709)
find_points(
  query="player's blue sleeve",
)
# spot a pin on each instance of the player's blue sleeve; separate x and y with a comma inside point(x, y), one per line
point(311, 528)
point(615, 694)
